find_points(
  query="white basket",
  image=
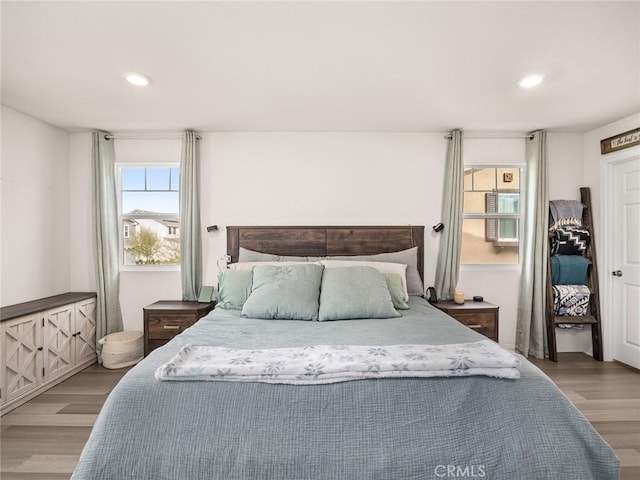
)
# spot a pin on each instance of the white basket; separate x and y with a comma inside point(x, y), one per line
point(122, 349)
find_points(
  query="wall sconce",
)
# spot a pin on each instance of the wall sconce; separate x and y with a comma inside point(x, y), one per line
point(212, 228)
point(438, 227)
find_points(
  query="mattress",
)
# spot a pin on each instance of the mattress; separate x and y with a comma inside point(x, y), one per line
point(395, 428)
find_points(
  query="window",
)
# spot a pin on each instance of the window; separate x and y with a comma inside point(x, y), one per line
point(502, 231)
point(491, 215)
point(148, 207)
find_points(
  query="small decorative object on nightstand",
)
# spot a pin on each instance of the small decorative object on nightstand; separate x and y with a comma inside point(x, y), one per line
point(458, 297)
point(479, 316)
point(165, 319)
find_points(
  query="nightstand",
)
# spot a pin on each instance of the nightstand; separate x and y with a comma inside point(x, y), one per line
point(165, 319)
point(479, 316)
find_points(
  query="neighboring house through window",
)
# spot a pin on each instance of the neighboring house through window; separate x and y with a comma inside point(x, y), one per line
point(149, 212)
point(491, 215)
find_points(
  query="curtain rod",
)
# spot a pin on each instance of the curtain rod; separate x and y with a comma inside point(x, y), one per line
point(496, 135)
point(151, 136)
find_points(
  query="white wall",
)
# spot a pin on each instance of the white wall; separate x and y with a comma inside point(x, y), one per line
point(278, 179)
point(82, 276)
point(323, 178)
point(259, 178)
point(320, 179)
point(35, 209)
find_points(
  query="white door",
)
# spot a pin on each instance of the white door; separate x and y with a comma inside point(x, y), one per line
point(626, 262)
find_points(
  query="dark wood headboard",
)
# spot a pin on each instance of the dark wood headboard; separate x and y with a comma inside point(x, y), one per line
point(320, 241)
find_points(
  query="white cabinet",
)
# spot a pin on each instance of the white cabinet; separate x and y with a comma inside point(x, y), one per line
point(21, 357)
point(85, 339)
point(59, 328)
point(41, 349)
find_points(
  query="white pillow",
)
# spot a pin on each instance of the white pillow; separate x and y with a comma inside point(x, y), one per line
point(382, 267)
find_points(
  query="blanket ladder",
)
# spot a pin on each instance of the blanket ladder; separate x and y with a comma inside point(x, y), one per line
point(593, 318)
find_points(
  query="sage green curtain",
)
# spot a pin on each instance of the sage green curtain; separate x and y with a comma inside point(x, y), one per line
point(105, 238)
point(448, 266)
point(190, 234)
point(531, 336)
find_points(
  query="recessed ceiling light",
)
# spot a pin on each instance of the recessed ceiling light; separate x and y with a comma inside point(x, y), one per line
point(137, 79)
point(531, 81)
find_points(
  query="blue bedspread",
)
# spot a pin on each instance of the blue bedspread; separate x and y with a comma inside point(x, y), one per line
point(367, 429)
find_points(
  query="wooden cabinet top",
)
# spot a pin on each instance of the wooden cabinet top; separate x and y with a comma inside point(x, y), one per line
point(449, 305)
point(178, 306)
point(27, 308)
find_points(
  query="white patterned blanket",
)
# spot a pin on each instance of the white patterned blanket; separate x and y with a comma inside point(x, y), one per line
point(318, 364)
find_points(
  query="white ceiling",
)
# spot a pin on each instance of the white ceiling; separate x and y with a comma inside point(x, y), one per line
point(322, 66)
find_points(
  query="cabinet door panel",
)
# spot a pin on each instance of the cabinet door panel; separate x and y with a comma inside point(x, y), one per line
point(58, 341)
point(21, 362)
point(85, 331)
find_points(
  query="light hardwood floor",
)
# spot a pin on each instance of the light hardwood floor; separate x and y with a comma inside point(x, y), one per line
point(608, 394)
point(43, 438)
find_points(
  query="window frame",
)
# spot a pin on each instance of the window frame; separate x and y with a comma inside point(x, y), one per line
point(494, 221)
point(497, 216)
point(153, 216)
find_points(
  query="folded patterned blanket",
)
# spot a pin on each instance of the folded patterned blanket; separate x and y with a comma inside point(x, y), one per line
point(570, 240)
point(564, 212)
point(319, 364)
point(571, 300)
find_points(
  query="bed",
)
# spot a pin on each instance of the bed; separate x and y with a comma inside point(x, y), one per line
point(475, 426)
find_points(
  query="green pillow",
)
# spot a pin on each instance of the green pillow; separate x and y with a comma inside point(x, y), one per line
point(396, 289)
point(355, 292)
point(289, 292)
point(234, 287)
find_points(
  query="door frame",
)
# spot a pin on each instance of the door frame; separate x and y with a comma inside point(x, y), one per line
point(607, 166)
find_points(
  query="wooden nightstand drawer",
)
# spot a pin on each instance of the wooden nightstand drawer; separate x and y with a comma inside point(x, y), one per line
point(479, 316)
point(167, 327)
point(484, 323)
point(165, 319)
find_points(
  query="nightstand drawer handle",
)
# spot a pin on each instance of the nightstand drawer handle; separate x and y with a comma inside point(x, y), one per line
point(171, 327)
point(475, 326)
